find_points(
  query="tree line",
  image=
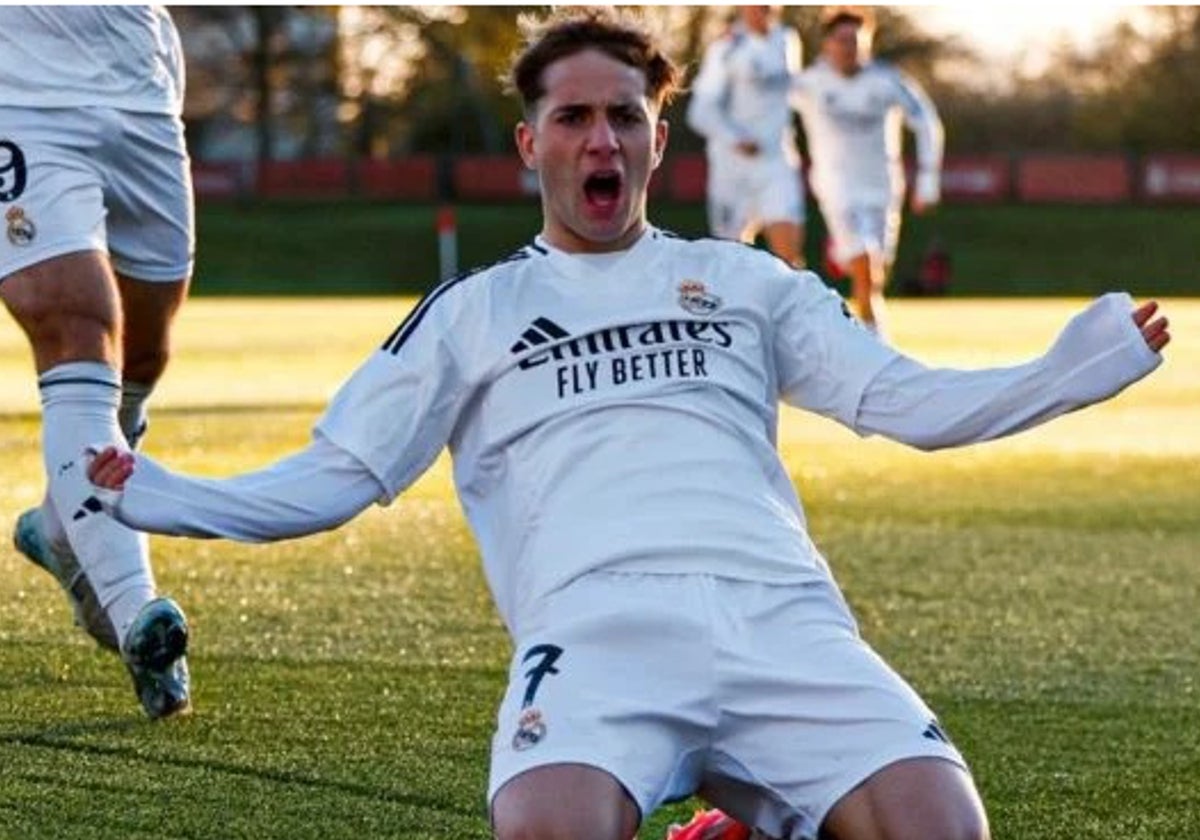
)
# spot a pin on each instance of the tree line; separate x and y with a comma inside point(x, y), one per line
point(278, 82)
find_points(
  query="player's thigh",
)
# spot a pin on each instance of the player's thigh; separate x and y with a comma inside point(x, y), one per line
point(780, 193)
point(68, 307)
point(811, 712)
point(913, 799)
point(732, 200)
point(611, 673)
point(564, 800)
point(151, 221)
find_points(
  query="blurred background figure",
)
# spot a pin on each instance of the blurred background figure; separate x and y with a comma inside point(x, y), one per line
point(852, 107)
point(740, 104)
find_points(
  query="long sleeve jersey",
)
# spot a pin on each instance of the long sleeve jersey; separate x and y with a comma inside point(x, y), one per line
point(622, 416)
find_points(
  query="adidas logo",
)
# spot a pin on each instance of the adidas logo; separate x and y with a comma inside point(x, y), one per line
point(542, 331)
point(934, 732)
point(90, 505)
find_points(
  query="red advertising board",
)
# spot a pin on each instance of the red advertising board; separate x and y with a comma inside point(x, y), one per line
point(411, 178)
point(1097, 179)
point(1171, 178)
point(314, 178)
point(686, 176)
point(493, 178)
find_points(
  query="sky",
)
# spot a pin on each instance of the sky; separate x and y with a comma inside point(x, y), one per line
point(1004, 30)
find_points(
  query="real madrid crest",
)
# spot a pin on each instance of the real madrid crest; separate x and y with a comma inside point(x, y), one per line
point(695, 298)
point(531, 729)
point(21, 230)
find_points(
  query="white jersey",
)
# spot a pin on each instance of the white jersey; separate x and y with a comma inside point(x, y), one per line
point(122, 57)
point(853, 126)
point(613, 418)
point(741, 92)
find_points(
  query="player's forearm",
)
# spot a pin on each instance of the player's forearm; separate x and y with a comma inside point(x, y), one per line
point(315, 490)
point(1100, 353)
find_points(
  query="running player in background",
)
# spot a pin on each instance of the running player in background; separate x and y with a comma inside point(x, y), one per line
point(852, 108)
point(96, 199)
point(610, 396)
point(740, 104)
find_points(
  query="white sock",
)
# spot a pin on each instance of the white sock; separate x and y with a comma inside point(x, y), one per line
point(132, 413)
point(133, 419)
point(79, 409)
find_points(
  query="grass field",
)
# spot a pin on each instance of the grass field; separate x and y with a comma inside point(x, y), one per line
point(300, 248)
point(1042, 593)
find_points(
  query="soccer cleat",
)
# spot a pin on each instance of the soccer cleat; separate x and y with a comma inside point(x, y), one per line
point(30, 539)
point(709, 825)
point(155, 651)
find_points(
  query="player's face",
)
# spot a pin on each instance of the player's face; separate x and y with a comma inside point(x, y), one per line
point(594, 140)
point(756, 18)
point(841, 47)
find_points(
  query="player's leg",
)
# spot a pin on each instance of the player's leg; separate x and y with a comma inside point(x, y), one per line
point(62, 292)
point(786, 241)
point(149, 311)
point(913, 799)
point(564, 802)
point(822, 737)
point(781, 204)
point(857, 245)
point(151, 235)
point(731, 201)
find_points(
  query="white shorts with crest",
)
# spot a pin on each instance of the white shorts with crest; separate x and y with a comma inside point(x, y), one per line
point(81, 179)
point(763, 696)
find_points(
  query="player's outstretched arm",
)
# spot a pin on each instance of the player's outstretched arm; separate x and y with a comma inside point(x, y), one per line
point(1100, 352)
point(314, 490)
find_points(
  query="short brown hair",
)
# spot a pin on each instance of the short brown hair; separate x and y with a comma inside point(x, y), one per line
point(860, 16)
point(567, 31)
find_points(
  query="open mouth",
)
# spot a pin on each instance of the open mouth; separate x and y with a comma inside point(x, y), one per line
point(603, 189)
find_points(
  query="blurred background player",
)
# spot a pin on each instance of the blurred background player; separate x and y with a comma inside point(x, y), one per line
point(852, 107)
point(95, 192)
point(740, 104)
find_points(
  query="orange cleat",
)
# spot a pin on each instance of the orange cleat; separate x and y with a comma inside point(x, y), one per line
point(709, 825)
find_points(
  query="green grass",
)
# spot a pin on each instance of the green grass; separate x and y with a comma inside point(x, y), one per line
point(1041, 593)
point(364, 248)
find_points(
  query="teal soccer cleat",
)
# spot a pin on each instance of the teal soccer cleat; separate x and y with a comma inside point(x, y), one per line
point(155, 652)
point(30, 539)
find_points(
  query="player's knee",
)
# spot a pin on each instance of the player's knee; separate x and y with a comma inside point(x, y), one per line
point(563, 802)
point(556, 824)
point(145, 365)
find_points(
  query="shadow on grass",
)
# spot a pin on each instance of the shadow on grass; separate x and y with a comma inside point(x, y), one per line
point(61, 737)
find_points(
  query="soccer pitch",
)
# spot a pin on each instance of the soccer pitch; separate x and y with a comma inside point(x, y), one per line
point(1042, 593)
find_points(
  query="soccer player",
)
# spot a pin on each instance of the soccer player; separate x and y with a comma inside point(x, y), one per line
point(740, 104)
point(609, 394)
point(852, 108)
point(96, 200)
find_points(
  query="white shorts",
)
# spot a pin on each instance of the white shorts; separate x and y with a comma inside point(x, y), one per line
point(746, 194)
point(83, 179)
point(763, 695)
point(855, 230)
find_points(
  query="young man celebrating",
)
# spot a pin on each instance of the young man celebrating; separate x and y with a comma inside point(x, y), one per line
point(740, 104)
point(853, 108)
point(610, 396)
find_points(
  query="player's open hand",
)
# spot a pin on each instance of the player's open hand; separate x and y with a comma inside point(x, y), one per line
point(1154, 330)
point(111, 468)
